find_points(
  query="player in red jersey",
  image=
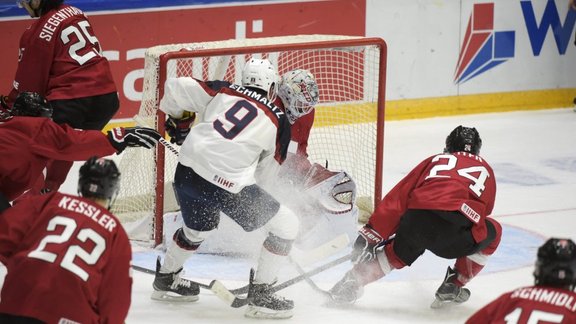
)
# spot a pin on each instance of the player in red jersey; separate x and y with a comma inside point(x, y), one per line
point(61, 59)
point(29, 139)
point(550, 300)
point(68, 258)
point(442, 206)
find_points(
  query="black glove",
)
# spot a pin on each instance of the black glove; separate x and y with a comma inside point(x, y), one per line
point(366, 245)
point(178, 129)
point(4, 103)
point(122, 137)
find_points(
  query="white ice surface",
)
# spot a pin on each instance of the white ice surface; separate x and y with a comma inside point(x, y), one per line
point(534, 158)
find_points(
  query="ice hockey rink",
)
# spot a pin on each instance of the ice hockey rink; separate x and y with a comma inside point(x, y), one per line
point(533, 155)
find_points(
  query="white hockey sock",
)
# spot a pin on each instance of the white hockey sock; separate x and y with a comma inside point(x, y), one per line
point(269, 265)
point(175, 258)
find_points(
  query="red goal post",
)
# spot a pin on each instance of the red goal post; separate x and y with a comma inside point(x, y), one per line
point(348, 131)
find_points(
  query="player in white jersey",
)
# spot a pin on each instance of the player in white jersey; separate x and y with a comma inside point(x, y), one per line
point(323, 199)
point(237, 128)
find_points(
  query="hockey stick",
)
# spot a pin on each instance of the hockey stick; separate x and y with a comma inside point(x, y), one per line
point(319, 253)
point(311, 282)
point(309, 257)
point(141, 122)
point(236, 301)
point(308, 280)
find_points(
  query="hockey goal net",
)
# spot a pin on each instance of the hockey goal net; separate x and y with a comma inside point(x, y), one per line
point(348, 129)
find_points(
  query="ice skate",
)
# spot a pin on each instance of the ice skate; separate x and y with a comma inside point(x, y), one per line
point(170, 287)
point(449, 292)
point(347, 290)
point(265, 304)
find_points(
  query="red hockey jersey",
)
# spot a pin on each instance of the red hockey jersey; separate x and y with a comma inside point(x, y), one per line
point(60, 58)
point(536, 304)
point(28, 143)
point(451, 182)
point(68, 258)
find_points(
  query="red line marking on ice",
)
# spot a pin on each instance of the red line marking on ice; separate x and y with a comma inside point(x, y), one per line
point(537, 212)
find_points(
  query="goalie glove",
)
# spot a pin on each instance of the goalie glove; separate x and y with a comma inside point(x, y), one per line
point(122, 137)
point(179, 128)
point(367, 244)
point(334, 191)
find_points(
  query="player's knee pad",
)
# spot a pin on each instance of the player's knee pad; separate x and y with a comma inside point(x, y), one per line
point(277, 245)
point(284, 224)
point(189, 239)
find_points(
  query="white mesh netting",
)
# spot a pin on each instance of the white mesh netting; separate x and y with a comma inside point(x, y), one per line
point(350, 77)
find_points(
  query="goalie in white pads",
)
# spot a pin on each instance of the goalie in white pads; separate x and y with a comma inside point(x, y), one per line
point(323, 199)
point(237, 127)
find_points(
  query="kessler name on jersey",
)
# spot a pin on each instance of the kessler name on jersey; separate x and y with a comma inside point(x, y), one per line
point(88, 210)
point(53, 22)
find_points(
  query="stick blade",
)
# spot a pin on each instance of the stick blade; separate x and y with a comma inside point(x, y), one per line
point(225, 295)
point(305, 258)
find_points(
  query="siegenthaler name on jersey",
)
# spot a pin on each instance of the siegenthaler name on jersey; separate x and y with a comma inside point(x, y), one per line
point(53, 22)
point(258, 97)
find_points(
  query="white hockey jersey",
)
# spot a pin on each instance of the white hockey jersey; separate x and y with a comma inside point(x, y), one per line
point(235, 129)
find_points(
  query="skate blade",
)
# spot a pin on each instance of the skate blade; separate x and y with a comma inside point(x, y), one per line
point(261, 312)
point(437, 303)
point(166, 296)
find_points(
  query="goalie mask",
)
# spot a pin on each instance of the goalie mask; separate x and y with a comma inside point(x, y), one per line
point(31, 104)
point(463, 139)
point(556, 264)
point(299, 93)
point(261, 74)
point(99, 178)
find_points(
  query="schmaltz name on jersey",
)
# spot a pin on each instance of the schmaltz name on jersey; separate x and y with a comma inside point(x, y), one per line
point(258, 97)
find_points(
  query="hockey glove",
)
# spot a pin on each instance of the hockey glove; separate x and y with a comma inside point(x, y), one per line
point(122, 137)
point(366, 245)
point(178, 129)
point(4, 103)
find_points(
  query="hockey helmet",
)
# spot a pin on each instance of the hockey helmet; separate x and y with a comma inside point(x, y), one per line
point(463, 139)
point(99, 178)
point(556, 264)
point(299, 93)
point(31, 104)
point(261, 74)
point(41, 7)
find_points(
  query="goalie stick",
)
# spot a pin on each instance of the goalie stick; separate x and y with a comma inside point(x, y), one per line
point(141, 122)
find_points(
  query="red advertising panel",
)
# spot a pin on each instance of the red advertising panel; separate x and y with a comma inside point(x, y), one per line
point(126, 35)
